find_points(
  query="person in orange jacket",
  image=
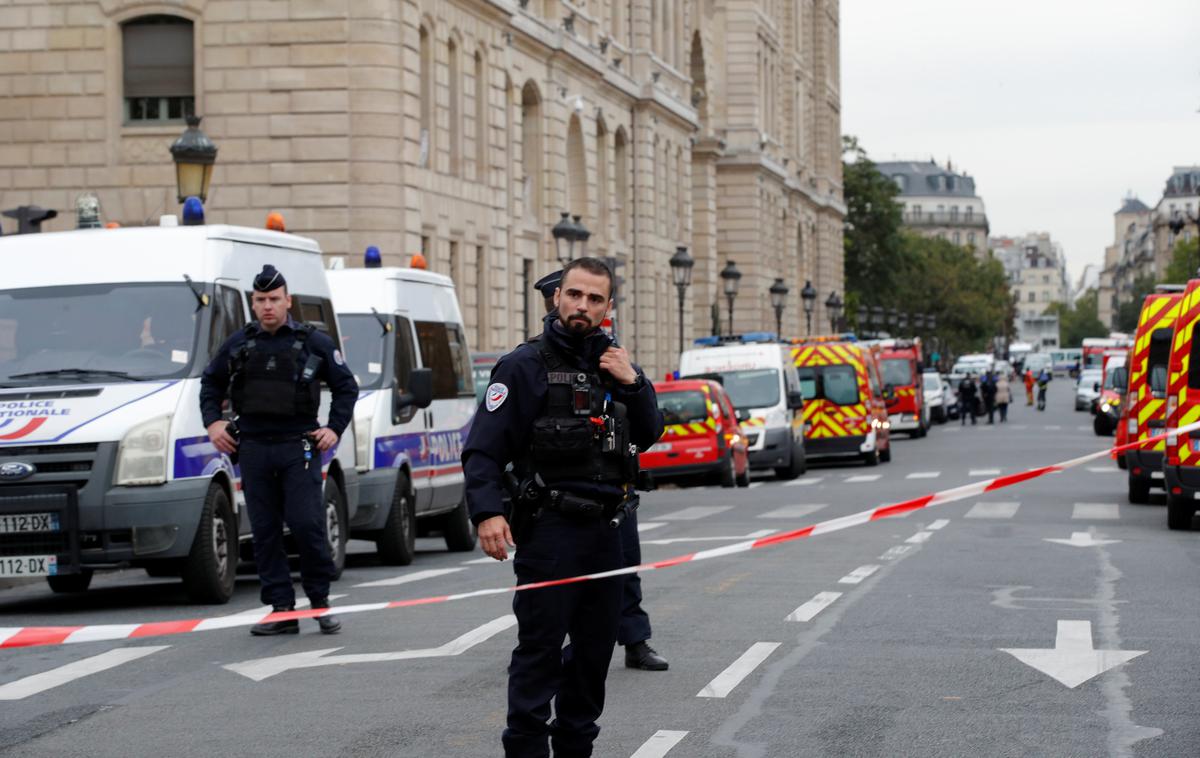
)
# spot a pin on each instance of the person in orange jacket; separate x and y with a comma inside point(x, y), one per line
point(1028, 386)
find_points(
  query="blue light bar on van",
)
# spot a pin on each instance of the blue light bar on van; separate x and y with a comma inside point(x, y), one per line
point(372, 258)
point(759, 337)
point(714, 340)
point(193, 211)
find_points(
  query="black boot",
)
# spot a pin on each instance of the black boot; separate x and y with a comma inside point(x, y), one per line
point(271, 628)
point(329, 623)
point(639, 655)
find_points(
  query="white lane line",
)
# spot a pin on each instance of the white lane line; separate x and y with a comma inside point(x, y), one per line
point(725, 681)
point(792, 511)
point(984, 472)
point(809, 610)
point(659, 744)
point(892, 553)
point(1103, 469)
point(695, 512)
point(804, 482)
point(754, 484)
point(1020, 427)
point(1096, 511)
point(415, 576)
point(993, 510)
point(862, 478)
point(47, 680)
point(924, 475)
point(751, 536)
point(858, 575)
point(645, 526)
point(939, 524)
point(919, 537)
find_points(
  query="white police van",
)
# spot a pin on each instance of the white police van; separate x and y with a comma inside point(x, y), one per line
point(758, 374)
point(406, 344)
point(104, 460)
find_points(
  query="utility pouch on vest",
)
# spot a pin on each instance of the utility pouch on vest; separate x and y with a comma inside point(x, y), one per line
point(557, 439)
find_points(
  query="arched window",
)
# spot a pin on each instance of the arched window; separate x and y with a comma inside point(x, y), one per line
point(621, 178)
point(158, 69)
point(577, 179)
point(481, 119)
point(427, 96)
point(531, 150)
point(603, 207)
point(455, 66)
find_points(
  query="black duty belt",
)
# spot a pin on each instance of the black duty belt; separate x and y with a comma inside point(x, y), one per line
point(573, 505)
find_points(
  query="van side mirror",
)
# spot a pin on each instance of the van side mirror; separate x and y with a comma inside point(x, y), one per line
point(419, 393)
point(795, 400)
point(1096, 387)
point(741, 415)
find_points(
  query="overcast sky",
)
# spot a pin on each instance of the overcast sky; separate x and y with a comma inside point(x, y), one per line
point(1057, 108)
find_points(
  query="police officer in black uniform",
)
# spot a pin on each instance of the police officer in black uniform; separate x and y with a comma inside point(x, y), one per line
point(272, 372)
point(634, 631)
point(570, 412)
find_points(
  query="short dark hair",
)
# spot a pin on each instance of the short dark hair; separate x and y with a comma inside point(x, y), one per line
point(592, 266)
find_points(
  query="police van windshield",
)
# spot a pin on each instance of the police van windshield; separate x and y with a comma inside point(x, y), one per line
point(756, 388)
point(98, 333)
point(897, 372)
point(682, 407)
point(364, 340)
point(836, 383)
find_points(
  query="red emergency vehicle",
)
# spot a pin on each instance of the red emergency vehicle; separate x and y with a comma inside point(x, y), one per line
point(701, 435)
point(900, 364)
point(1144, 411)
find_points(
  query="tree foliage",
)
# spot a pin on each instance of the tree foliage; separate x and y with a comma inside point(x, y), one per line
point(1127, 313)
point(1078, 321)
point(873, 221)
point(1184, 260)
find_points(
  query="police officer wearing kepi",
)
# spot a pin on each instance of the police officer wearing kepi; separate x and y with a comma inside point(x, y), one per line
point(272, 372)
point(634, 631)
point(570, 412)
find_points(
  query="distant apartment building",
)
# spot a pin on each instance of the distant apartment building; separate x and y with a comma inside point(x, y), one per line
point(939, 202)
point(1037, 276)
point(1130, 257)
point(1180, 201)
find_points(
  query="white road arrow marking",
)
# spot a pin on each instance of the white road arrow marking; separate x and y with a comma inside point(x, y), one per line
point(1082, 539)
point(48, 680)
point(264, 668)
point(1072, 661)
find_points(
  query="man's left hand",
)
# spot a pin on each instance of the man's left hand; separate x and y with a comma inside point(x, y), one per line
point(325, 438)
point(616, 362)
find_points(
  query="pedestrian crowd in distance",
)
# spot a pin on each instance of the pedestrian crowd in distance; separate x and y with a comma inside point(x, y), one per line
point(990, 393)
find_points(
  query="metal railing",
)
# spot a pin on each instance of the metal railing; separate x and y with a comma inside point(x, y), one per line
point(945, 218)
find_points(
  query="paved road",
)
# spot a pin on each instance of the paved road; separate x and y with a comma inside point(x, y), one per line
point(888, 639)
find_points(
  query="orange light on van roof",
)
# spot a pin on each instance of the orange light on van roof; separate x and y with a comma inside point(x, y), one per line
point(112, 225)
point(418, 261)
point(275, 222)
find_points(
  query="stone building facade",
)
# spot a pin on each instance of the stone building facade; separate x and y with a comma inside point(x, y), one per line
point(1037, 277)
point(939, 202)
point(460, 130)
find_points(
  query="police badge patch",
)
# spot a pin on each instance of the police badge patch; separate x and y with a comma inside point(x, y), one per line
point(496, 395)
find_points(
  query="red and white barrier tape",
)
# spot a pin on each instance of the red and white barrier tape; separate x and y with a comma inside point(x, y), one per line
point(27, 636)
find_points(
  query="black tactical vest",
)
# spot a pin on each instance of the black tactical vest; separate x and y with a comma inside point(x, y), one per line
point(273, 380)
point(581, 434)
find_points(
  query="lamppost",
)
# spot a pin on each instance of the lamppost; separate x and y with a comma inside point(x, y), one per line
point(809, 296)
point(582, 234)
point(903, 325)
point(194, 155)
point(564, 232)
point(834, 306)
point(730, 276)
point(877, 319)
point(779, 293)
point(893, 317)
point(681, 272)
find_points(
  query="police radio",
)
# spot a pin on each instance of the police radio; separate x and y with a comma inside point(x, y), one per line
point(581, 392)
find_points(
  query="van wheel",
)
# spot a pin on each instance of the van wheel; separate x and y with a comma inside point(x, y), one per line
point(728, 477)
point(885, 455)
point(743, 479)
point(795, 468)
point(1101, 426)
point(336, 526)
point(397, 543)
point(210, 568)
point(871, 458)
point(71, 582)
point(1139, 490)
point(458, 529)
point(1180, 512)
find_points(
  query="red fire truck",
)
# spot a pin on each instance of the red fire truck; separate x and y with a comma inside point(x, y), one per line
point(900, 363)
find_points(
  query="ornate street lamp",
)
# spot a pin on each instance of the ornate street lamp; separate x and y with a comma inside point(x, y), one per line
point(919, 321)
point(194, 155)
point(564, 239)
point(834, 306)
point(779, 293)
point(681, 273)
point(730, 277)
point(809, 296)
point(893, 317)
point(903, 325)
point(582, 234)
point(877, 318)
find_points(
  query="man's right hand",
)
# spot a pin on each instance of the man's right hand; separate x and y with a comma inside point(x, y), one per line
point(496, 538)
point(218, 432)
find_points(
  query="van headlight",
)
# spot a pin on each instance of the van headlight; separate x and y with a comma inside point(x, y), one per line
point(362, 443)
point(142, 455)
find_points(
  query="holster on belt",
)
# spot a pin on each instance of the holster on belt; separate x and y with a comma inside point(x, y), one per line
point(573, 505)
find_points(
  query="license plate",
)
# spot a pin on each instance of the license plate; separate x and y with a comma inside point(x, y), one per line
point(659, 447)
point(29, 565)
point(11, 523)
point(1156, 475)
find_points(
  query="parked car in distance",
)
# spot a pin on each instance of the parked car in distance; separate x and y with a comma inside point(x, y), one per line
point(1003, 368)
point(935, 395)
point(951, 403)
point(1085, 389)
point(1035, 362)
point(701, 437)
